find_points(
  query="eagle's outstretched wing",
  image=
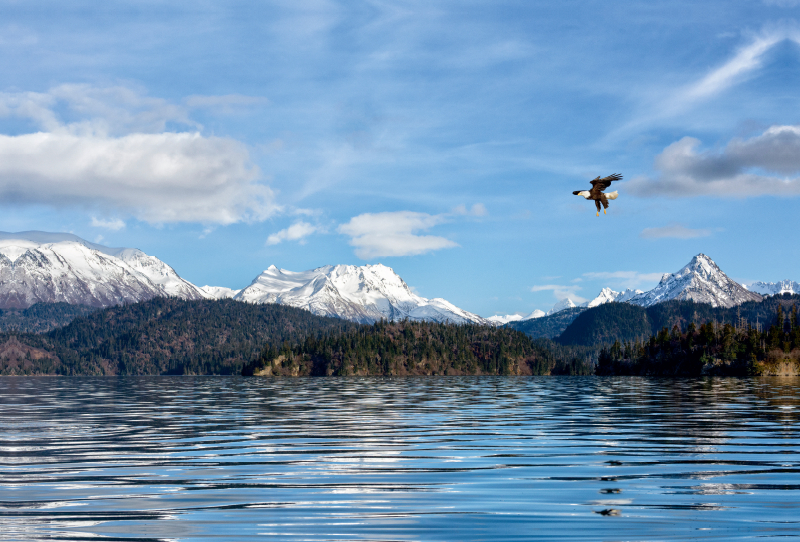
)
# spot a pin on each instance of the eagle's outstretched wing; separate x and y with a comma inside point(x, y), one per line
point(598, 185)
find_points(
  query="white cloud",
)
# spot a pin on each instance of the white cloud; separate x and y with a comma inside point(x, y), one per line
point(296, 232)
point(168, 177)
point(767, 164)
point(674, 231)
point(393, 234)
point(97, 110)
point(561, 291)
point(115, 224)
point(626, 279)
point(118, 156)
point(746, 60)
point(666, 102)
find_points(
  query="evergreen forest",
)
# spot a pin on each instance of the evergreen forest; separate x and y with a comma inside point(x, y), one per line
point(168, 336)
point(729, 349)
point(422, 348)
point(162, 336)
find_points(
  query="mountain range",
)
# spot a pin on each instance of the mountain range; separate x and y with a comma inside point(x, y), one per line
point(41, 267)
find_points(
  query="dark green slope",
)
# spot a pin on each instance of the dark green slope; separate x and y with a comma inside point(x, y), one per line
point(421, 348)
point(622, 322)
point(547, 327)
point(169, 336)
point(608, 322)
point(41, 317)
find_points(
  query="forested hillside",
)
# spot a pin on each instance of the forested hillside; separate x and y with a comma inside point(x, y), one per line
point(162, 336)
point(711, 349)
point(172, 336)
point(421, 348)
point(41, 317)
point(548, 327)
point(622, 322)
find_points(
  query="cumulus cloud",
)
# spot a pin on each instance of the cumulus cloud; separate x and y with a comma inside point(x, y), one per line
point(115, 154)
point(168, 177)
point(561, 291)
point(115, 224)
point(296, 232)
point(394, 234)
point(767, 164)
point(674, 231)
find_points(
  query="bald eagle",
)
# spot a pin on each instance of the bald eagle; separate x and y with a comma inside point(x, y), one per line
point(596, 193)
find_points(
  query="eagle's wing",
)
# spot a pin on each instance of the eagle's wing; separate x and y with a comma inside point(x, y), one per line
point(598, 185)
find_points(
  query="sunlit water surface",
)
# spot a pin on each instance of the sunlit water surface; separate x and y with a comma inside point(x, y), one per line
point(442, 458)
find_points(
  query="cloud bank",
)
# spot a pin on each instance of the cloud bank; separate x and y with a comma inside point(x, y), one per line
point(116, 155)
point(767, 164)
point(394, 234)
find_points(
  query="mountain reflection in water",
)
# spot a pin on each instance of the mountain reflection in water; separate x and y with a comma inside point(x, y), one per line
point(442, 458)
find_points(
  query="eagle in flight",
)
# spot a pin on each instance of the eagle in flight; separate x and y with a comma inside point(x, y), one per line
point(596, 193)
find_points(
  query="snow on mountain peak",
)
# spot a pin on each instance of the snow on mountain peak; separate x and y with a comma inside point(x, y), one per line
point(502, 320)
point(562, 305)
point(775, 288)
point(702, 281)
point(364, 294)
point(51, 267)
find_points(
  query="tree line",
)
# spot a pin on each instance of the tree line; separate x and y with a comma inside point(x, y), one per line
point(421, 348)
point(710, 349)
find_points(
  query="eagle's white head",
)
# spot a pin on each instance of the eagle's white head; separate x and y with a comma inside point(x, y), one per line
point(584, 193)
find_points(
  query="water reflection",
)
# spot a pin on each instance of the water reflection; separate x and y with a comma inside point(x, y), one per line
point(446, 458)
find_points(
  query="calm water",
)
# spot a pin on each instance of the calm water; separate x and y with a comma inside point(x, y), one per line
point(462, 458)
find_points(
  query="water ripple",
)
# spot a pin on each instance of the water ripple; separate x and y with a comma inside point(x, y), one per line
point(445, 458)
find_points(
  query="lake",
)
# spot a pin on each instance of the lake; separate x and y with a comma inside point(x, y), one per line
point(429, 458)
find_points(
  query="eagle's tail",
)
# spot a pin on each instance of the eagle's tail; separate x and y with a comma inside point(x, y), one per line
point(612, 195)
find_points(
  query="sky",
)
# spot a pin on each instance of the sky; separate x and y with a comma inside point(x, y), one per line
point(443, 139)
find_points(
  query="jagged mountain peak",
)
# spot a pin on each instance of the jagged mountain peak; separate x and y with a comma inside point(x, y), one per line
point(45, 267)
point(362, 293)
point(564, 304)
point(702, 281)
point(775, 288)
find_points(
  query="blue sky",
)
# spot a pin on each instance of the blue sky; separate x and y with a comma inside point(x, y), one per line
point(443, 139)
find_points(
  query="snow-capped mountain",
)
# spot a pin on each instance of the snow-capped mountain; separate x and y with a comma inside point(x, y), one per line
point(46, 267)
point(498, 320)
point(160, 274)
point(607, 295)
point(218, 292)
point(363, 294)
point(562, 305)
point(502, 320)
point(702, 281)
point(535, 314)
point(773, 288)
